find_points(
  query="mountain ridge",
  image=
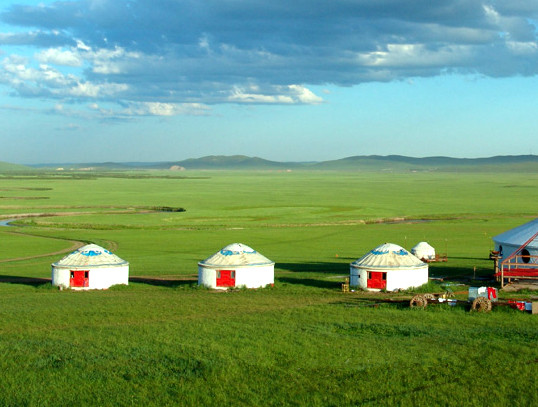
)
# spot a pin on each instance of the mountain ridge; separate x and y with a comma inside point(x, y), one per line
point(359, 162)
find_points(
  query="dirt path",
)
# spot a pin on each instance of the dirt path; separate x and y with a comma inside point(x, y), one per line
point(515, 286)
point(76, 244)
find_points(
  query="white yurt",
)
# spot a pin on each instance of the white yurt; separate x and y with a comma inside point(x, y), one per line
point(236, 265)
point(423, 251)
point(508, 242)
point(388, 267)
point(90, 267)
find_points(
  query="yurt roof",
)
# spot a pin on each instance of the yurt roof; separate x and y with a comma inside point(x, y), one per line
point(519, 235)
point(236, 255)
point(422, 247)
point(388, 255)
point(91, 255)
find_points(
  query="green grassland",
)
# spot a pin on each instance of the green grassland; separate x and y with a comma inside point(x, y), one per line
point(164, 341)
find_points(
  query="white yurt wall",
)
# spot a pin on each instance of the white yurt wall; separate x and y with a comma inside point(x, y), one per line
point(423, 250)
point(388, 267)
point(94, 268)
point(248, 267)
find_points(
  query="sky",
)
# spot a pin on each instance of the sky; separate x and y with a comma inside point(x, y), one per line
point(303, 80)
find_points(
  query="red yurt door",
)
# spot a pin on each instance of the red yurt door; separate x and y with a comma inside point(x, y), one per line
point(225, 278)
point(79, 278)
point(376, 279)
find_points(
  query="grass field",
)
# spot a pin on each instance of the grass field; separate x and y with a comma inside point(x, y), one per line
point(167, 342)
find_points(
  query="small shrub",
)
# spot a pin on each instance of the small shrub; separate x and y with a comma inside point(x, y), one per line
point(46, 287)
point(168, 209)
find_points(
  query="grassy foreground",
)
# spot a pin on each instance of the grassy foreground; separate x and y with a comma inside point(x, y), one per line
point(285, 346)
point(299, 343)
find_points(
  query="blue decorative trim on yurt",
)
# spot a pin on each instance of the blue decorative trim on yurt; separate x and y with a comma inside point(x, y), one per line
point(92, 253)
point(231, 252)
point(400, 252)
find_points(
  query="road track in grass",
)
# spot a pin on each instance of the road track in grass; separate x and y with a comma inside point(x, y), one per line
point(75, 245)
point(111, 245)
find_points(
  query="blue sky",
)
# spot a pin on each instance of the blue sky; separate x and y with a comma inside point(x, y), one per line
point(302, 80)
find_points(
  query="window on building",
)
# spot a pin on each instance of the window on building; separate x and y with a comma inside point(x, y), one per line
point(525, 256)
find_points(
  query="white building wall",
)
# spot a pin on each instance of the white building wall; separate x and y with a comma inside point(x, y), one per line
point(424, 253)
point(396, 279)
point(254, 277)
point(105, 277)
point(508, 249)
point(358, 277)
point(207, 277)
point(249, 277)
point(98, 278)
point(403, 279)
point(60, 277)
point(354, 276)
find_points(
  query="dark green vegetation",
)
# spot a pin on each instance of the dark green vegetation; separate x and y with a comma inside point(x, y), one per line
point(163, 341)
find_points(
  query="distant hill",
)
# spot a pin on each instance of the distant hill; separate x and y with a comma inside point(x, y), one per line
point(236, 162)
point(526, 163)
point(8, 167)
point(212, 162)
point(396, 163)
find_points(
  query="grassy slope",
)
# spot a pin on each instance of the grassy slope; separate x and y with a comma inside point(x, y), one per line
point(301, 343)
point(9, 168)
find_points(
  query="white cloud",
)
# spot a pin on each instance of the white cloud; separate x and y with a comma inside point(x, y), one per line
point(305, 95)
point(291, 94)
point(48, 81)
point(245, 96)
point(217, 52)
point(406, 55)
point(492, 15)
point(91, 90)
point(165, 109)
point(522, 48)
point(82, 46)
point(59, 57)
point(110, 61)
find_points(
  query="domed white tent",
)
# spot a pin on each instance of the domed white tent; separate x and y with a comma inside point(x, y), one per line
point(423, 251)
point(90, 267)
point(236, 265)
point(388, 267)
point(508, 242)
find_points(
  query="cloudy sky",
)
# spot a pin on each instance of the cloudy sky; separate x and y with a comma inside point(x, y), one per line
point(301, 80)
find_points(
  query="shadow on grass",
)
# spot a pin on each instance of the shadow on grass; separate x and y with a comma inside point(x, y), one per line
point(163, 282)
point(330, 269)
point(31, 281)
point(315, 267)
point(310, 282)
point(447, 270)
point(485, 257)
point(371, 303)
